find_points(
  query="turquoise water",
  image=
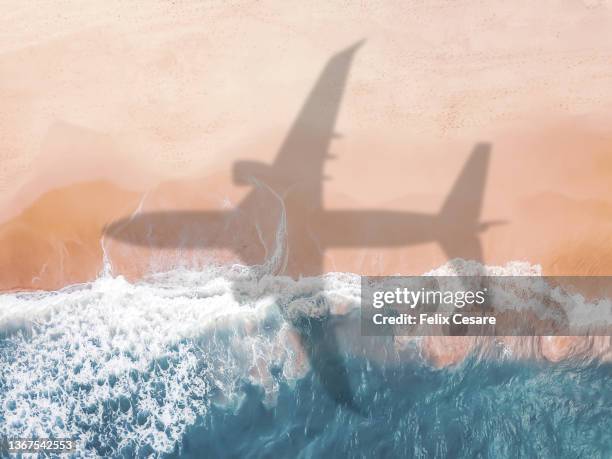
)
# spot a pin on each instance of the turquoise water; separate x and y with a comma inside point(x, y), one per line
point(177, 367)
point(482, 409)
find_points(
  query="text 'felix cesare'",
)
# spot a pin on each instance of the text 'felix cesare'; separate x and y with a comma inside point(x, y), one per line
point(400, 298)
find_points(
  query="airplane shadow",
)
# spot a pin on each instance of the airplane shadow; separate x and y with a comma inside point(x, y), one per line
point(284, 215)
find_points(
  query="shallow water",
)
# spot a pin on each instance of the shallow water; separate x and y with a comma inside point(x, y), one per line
point(187, 364)
point(482, 409)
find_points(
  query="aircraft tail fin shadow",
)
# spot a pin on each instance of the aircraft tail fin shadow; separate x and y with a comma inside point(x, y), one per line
point(464, 202)
point(461, 211)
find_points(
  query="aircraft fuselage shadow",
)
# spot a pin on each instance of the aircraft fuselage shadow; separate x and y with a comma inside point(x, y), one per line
point(292, 190)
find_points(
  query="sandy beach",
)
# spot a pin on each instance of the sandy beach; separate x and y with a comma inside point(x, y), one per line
point(113, 109)
point(192, 193)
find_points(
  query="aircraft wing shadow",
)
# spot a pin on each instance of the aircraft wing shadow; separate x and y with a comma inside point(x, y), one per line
point(292, 189)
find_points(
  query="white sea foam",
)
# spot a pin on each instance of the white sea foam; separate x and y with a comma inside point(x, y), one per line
point(152, 356)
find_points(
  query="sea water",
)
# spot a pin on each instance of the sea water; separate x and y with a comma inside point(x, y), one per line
point(206, 364)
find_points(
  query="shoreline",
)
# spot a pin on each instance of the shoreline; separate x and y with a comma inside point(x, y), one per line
point(436, 351)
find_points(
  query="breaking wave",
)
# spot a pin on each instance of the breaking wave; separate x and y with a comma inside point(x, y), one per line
point(153, 367)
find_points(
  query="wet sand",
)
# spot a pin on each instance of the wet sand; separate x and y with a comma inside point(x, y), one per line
point(115, 106)
point(57, 239)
